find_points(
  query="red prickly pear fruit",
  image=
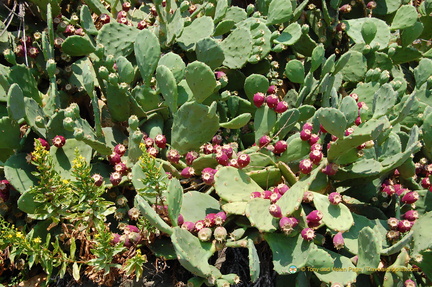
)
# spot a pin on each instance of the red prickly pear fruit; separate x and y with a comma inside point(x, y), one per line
point(275, 196)
point(173, 156)
point(209, 220)
point(200, 224)
point(207, 175)
point(149, 142)
point(121, 168)
point(187, 172)
point(425, 182)
point(233, 162)
point(120, 149)
point(220, 233)
point(405, 225)
point(308, 234)
point(358, 121)
point(275, 210)
point(272, 89)
point(217, 139)
point(190, 157)
point(259, 99)
point(131, 228)
point(255, 194)
point(314, 216)
point(411, 215)
point(338, 241)
point(334, 138)
point(354, 96)
point(228, 150)
point(97, 179)
point(281, 188)
point(222, 158)
point(389, 190)
point(316, 146)
point(266, 194)
point(281, 107)
point(219, 75)
point(410, 197)
point(59, 141)
point(322, 129)
point(180, 220)
point(349, 131)
point(33, 52)
point(305, 166)
point(122, 14)
point(288, 224)
point(104, 18)
point(207, 148)
point(393, 222)
point(307, 126)
point(362, 105)
point(205, 234)
point(270, 147)
point(330, 169)
point(134, 213)
point(428, 169)
point(280, 147)
point(307, 197)
point(115, 178)
point(345, 8)
point(115, 238)
point(188, 225)
point(79, 32)
point(372, 5)
point(393, 235)
point(160, 141)
point(152, 151)
point(305, 134)
point(264, 140)
point(243, 160)
point(316, 156)
point(69, 30)
point(335, 198)
point(44, 143)
point(314, 138)
point(272, 101)
point(217, 148)
point(19, 51)
point(142, 25)
point(126, 6)
point(220, 218)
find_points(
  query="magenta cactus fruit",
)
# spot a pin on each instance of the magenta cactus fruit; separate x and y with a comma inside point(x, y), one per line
point(255, 194)
point(207, 175)
point(306, 166)
point(345, 8)
point(233, 162)
point(142, 25)
point(121, 168)
point(200, 224)
point(126, 6)
point(187, 172)
point(272, 101)
point(388, 189)
point(217, 140)
point(131, 228)
point(190, 157)
point(330, 169)
point(308, 196)
point(115, 178)
point(358, 121)
point(322, 129)
point(160, 141)
point(33, 52)
point(114, 158)
point(205, 234)
point(281, 188)
point(228, 150)
point(243, 160)
point(149, 142)
point(264, 140)
point(308, 234)
point(104, 18)
point(207, 148)
point(153, 151)
point(409, 283)
point(266, 194)
point(180, 220)
point(287, 224)
point(281, 107)
point(173, 156)
point(120, 149)
point(354, 96)
point(59, 141)
point(335, 198)
point(69, 30)
point(393, 222)
point(220, 233)
point(44, 143)
point(349, 131)
point(220, 218)
point(275, 210)
point(316, 156)
point(259, 99)
point(115, 238)
point(280, 147)
point(97, 179)
point(222, 158)
point(272, 89)
point(338, 241)
point(411, 215)
point(307, 126)
point(275, 196)
point(305, 134)
point(314, 216)
point(209, 220)
point(372, 5)
point(410, 197)
point(316, 146)
point(405, 225)
point(188, 225)
point(314, 138)
point(425, 182)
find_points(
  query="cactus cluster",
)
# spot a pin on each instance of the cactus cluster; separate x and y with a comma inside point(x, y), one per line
point(177, 130)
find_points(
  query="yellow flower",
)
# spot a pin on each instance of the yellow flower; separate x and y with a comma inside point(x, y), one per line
point(19, 235)
point(37, 240)
point(65, 181)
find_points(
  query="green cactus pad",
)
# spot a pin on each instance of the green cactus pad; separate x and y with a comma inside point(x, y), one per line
point(336, 217)
point(369, 250)
point(188, 133)
point(168, 87)
point(257, 211)
point(317, 57)
point(175, 63)
point(221, 9)
point(384, 99)
point(238, 208)
point(295, 72)
point(78, 46)
point(343, 272)
point(197, 205)
point(265, 119)
point(209, 52)
point(406, 16)
point(237, 48)
point(321, 260)
point(229, 179)
point(15, 102)
point(86, 20)
point(163, 248)
point(147, 53)
point(117, 39)
point(150, 214)
point(290, 35)
point(284, 257)
point(279, 11)
point(255, 83)
point(422, 234)
point(201, 80)
point(174, 200)
point(204, 161)
point(382, 36)
point(368, 31)
point(19, 172)
point(254, 261)
point(296, 151)
point(199, 29)
point(269, 176)
point(408, 35)
point(286, 122)
point(191, 253)
point(10, 133)
point(237, 122)
point(349, 108)
point(333, 121)
point(356, 67)
point(125, 70)
point(23, 76)
point(32, 111)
